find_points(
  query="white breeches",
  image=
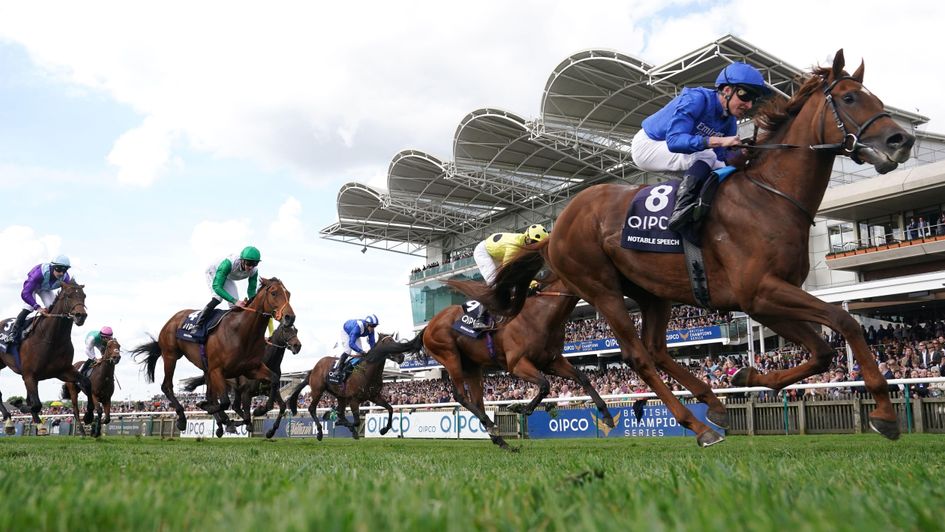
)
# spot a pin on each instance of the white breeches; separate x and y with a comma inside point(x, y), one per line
point(654, 156)
point(487, 265)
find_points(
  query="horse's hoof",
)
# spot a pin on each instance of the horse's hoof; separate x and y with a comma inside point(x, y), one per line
point(87, 419)
point(889, 429)
point(740, 378)
point(182, 424)
point(384, 430)
point(719, 419)
point(271, 433)
point(609, 421)
point(709, 437)
point(319, 437)
point(219, 431)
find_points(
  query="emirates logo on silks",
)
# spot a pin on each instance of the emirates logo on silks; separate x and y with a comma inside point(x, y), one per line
point(601, 426)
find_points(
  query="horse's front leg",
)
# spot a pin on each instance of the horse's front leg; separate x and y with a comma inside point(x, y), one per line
point(380, 400)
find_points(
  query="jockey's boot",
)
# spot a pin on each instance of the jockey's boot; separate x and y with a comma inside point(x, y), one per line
point(205, 313)
point(484, 322)
point(86, 366)
point(338, 371)
point(687, 195)
point(18, 326)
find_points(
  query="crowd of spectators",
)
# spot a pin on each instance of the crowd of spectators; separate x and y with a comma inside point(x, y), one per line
point(681, 317)
point(453, 257)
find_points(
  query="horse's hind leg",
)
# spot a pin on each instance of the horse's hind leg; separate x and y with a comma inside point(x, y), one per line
point(167, 386)
point(313, 410)
point(656, 313)
point(32, 397)
point(3, 408)
point(469, 402)
point(562, 368)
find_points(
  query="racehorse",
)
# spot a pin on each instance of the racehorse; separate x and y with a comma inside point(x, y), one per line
point(526, 346)
point(47, 352)
point(102, 378)
point(364, 384)
point(755, 245)
point(236, 348)
point(244, 389)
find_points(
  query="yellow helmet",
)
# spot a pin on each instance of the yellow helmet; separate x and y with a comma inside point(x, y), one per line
point(536, 233)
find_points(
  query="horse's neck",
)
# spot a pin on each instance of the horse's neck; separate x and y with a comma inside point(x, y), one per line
point(251, 324)
point(273, 357)
point(801, 173)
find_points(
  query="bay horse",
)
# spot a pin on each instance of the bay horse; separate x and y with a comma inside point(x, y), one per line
point(102, 378)
point(235, 348)
point(526, 346)
point(364, 384)
point(755, 245)
point(47, 352)
point(244, 388)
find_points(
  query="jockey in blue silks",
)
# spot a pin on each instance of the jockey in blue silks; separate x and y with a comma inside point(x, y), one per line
point(694, 133)
point(350, 341)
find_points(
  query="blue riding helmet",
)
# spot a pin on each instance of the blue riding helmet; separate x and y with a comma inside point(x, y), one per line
point(61, 260)
point(744, 75)
point(371, 320)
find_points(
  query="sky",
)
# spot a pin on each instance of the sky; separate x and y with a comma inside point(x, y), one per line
point(148, 140)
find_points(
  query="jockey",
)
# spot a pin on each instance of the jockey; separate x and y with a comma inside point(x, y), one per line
point(350, 341)
point(43, 281)
point(694, 133)
point(96, 339)
point(220, 277)
point(493, 252)
point(499, 248)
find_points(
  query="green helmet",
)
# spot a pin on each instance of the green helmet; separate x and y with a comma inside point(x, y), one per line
point(250, 253)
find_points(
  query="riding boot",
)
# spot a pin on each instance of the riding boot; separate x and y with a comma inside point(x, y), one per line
point(484, 322)
point(86, 366)
point(688, 194)
point(339, 368)
point(18, 326)
point(205, 313)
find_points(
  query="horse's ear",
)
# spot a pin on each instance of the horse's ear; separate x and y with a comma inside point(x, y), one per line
point(838, 64)
point(858, 75)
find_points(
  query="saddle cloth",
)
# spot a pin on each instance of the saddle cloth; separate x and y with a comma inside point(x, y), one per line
point(188, 331)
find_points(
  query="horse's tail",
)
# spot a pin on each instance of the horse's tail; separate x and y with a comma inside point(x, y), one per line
point(152, 350)
point(506, 296)
point(192, 383)
point(415, 345)
point(293, 399)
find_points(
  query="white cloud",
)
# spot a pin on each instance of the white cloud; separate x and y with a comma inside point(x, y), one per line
point(288, 223)
point(214, 240)
point(141, 154)
point(23, 250)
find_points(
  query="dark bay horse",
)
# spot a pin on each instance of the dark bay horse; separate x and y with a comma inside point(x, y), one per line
point(244, 388)
point(755, 244)
point(364, 384)
point(526, 346)
point(102, 378)
point(234, 349)
point(47, 352)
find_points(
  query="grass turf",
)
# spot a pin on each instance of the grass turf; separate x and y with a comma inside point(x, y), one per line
point(851, 482)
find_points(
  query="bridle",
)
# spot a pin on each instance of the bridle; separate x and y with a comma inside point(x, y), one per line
point(277, 313)
point(849, 145)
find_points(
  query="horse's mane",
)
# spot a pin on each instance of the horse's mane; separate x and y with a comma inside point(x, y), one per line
point(778, 111)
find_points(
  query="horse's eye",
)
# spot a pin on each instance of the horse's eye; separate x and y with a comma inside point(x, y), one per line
point(849, 98)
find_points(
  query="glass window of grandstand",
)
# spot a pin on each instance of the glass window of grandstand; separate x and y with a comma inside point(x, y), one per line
point(879, 231)
point(842, 237)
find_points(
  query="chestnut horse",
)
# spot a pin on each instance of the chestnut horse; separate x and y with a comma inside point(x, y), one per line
point(102, 377)
point(47, 352)
point(755, 244)
point(235, 348)
point(364, 384)
point(526, 346)
point(244, 389)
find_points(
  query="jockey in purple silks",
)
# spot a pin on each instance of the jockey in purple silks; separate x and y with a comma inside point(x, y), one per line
point(43, 281)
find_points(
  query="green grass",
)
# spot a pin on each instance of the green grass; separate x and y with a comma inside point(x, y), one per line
point(762, 483)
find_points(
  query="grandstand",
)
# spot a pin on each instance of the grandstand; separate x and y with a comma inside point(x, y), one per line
point(507, 172)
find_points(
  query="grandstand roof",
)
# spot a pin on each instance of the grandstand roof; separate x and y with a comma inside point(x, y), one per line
point(592, 105)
